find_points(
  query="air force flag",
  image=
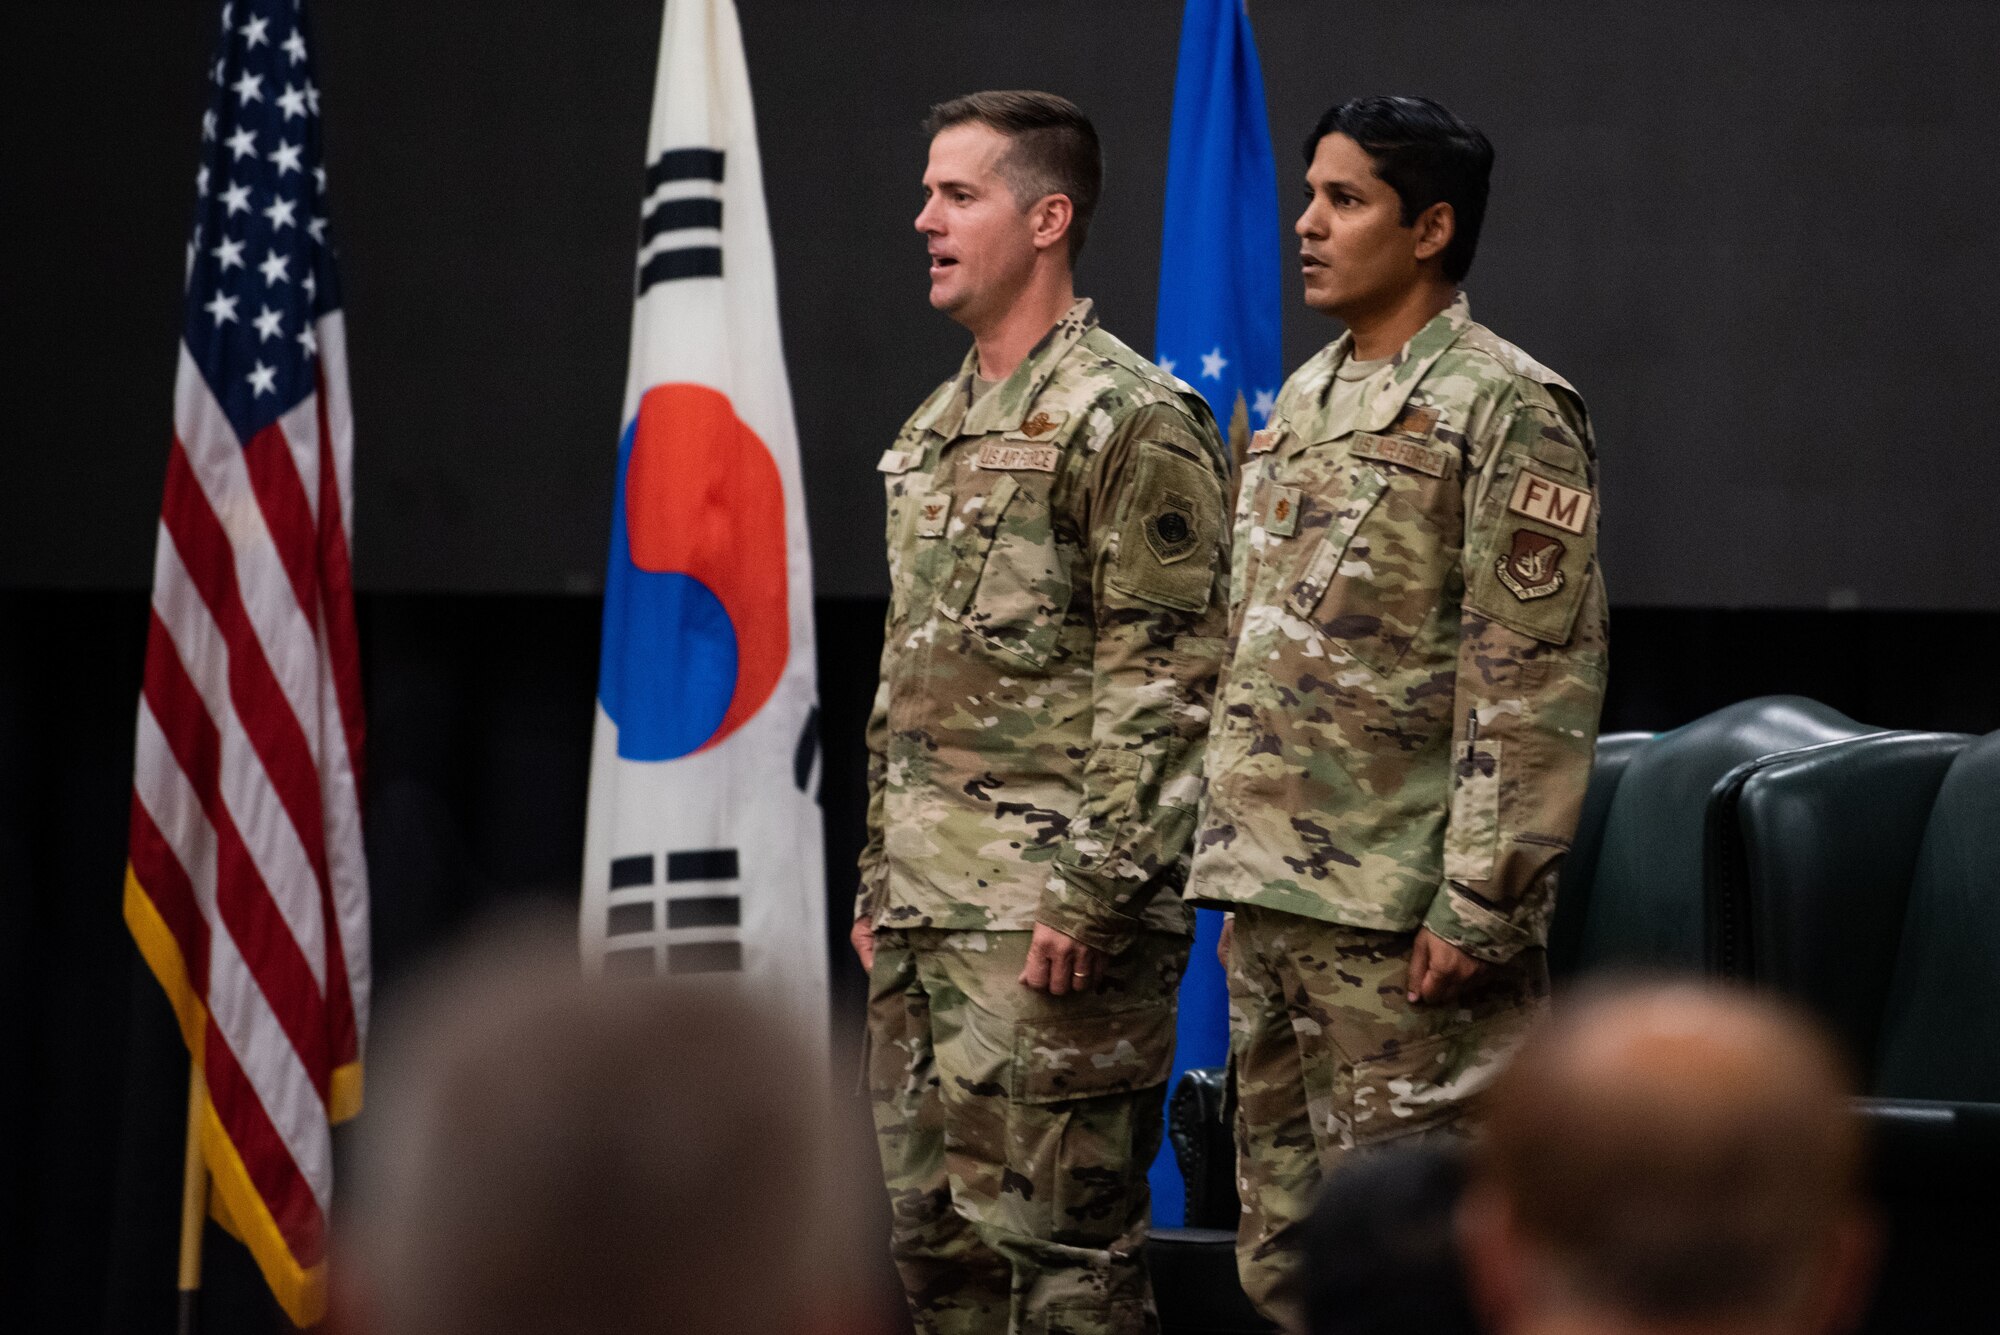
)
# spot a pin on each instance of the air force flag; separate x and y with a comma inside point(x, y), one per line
point(702, 853)
point(1217, 330)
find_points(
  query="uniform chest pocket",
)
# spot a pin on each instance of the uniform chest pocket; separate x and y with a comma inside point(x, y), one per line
point(1008, 585)
point(1378, 574)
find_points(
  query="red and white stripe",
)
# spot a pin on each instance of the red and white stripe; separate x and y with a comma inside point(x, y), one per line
point(246, 822)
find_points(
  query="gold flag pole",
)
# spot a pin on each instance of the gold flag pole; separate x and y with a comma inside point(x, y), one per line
point(194, 1202)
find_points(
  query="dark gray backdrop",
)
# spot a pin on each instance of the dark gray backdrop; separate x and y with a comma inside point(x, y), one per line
point(1754, 234)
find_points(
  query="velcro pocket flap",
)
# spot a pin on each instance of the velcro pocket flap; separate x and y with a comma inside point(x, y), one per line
point(971, 546)
point(1325, 564)
point(1085, 1056)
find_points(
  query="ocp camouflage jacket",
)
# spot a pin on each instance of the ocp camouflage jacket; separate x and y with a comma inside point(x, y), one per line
point(1418, 643)
point(1058, 566)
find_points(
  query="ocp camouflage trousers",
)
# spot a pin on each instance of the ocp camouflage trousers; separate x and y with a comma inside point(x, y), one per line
point(1332, 1059)
point(1015, 1130)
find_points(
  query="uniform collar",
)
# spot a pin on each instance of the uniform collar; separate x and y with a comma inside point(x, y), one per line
point(1383, 397)
point(1002, 407)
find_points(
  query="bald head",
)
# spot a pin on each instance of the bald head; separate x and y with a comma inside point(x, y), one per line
point(1675, 1153)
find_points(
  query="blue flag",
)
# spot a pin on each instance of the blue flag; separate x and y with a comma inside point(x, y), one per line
point(1217, 330)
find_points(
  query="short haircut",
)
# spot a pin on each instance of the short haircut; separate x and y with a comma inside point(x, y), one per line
point(1054, 149)
point(1380, 1255)
point(550, 1155)
point(1427, 155)
point(1676, 1151)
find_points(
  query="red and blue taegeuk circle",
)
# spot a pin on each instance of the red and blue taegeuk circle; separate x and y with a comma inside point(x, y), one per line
point(697, 623)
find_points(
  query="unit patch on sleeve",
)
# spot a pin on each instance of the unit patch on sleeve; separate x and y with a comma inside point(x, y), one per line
point(1039, 458)
point(1550, 502)
point(1171, 529)
point(1532, 567)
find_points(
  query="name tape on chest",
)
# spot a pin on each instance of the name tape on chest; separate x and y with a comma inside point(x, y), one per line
point(1001, 455)
point(1424, 458)
point(1550, 502)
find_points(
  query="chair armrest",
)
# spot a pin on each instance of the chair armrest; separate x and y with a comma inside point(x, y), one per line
point(1933, 1147)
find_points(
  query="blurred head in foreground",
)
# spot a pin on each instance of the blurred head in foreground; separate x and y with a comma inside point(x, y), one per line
point(1380, 1255)
point(550, 1155)
point(1670, 1158)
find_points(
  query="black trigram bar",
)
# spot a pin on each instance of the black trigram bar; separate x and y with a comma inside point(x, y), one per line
point(705, 911)
point(674, 215)
point(684, 164)
point(687, 262)
point(702, 864)
point(635, 962)
point(635, 870)
point(706, 957)
point(624, 919)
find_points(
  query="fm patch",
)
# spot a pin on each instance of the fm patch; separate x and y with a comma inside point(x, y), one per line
point(1417, 421)
point(1042, 424)
point(1550, 502)
point(1263, 440)
point(1532, 568)
point(933, 512)
point(1281, 516)
point(1038, 458)
point(1170, 529)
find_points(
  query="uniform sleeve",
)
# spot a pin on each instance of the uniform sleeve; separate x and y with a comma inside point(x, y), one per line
point(873, 864)
point(1530, 679)
point(1155, 531)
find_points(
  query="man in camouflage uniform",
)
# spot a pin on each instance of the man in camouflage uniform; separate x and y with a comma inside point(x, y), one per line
point(1057, 536)
point(1410, 701)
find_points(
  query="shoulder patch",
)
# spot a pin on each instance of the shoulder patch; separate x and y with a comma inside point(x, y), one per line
point(1550, 502)
point(1171, 533)
point(1531, 568)
point(1171, 528)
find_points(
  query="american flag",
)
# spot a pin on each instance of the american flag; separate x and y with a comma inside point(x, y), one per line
point(246, 889)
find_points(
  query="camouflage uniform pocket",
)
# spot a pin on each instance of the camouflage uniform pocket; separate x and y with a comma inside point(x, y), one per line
point(1378, 577)
point(1009, 584)
point(1075, 1116)
point(1428, 1084)
point(1472, 838)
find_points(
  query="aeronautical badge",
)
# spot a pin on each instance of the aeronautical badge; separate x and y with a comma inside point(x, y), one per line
point(1281, 513)
point(1416, 420)
point(1170, 529)
point(1532, 569)
point(1038, 427)
point(933, 512)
